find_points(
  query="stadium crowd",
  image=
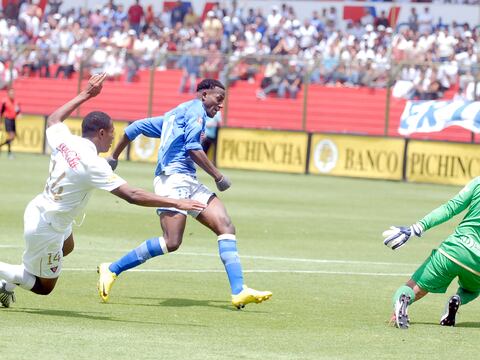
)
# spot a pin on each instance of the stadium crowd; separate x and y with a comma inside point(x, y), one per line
point(274, 46)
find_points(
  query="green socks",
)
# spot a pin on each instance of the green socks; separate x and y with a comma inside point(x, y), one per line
point(466, 296)
point(404, 290)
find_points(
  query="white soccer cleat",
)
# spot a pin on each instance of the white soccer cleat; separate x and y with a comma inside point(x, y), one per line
point(401, 312)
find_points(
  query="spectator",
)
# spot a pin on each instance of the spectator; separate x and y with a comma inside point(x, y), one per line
point(43, 54)
point(273, 19)
point(213, 62)
point(413, 19)
point(367, 18)
point(425, 21)
point(177, 14)
point(131, 60)
point(135, 16)
point(119, 16)
point(382, 20)
point(212, 29)
point(190, 64)
point(190, 19)
point(273, 77)
point(211, 134)
point(291, 82)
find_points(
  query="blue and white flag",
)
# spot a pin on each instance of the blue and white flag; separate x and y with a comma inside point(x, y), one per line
point(432, 116)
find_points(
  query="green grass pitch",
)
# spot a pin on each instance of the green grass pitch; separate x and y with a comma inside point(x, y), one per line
point(315, 242)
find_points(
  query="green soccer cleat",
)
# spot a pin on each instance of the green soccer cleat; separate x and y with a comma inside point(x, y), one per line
point(247, 296)
point(106, 278)
point(6, 297)
point(401, 312)
point(448, 317)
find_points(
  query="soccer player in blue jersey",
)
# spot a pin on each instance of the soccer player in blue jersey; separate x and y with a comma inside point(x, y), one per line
point(181, 131)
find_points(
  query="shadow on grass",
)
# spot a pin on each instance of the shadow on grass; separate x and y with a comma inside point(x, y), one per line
point(468, 324)
point(88, 316)
point(180, 302)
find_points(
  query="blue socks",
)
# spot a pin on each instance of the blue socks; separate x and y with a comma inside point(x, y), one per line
point(227, 247)
point(148, 249)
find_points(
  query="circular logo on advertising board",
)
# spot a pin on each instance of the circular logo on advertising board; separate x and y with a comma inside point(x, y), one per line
point(144, 147)
point(325, 156)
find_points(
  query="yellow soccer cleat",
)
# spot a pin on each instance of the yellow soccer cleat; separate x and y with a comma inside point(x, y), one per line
point(247, 296)
point(106, 279)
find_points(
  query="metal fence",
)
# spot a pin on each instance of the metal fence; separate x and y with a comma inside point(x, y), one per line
point(341, 93)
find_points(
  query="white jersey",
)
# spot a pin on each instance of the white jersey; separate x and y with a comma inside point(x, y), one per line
point(75, 171)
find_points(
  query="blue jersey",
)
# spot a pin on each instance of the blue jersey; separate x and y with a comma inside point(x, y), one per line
point(179, 131)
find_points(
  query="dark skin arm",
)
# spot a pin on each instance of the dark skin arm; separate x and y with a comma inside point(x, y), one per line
point(122, 144)
point(201, 159)
point(141, 197)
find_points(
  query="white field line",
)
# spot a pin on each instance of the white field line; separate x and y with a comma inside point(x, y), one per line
point(320, 272)
point(253, 257)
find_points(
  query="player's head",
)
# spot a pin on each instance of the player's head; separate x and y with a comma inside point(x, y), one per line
point(212, 94)
point(98, 127)
point(11, 93)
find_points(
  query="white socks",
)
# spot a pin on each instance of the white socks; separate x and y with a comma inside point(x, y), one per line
point(16, 274)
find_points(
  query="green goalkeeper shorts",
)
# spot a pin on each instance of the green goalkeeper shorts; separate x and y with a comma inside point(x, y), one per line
point(438, 271)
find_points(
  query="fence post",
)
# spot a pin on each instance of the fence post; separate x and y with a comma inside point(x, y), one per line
point(151, 87)
point(81, 70)
point(306, 83)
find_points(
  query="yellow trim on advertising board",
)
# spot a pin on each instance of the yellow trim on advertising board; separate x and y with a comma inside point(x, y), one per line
point(442, 162)
point(251, 149)
point(357, 156)
point(30, 131)
point(144, 149)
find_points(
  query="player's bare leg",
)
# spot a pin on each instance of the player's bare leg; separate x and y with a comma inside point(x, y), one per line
point(173, 227)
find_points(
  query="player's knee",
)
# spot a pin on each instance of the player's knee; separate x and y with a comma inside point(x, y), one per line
point(227, 226)
point(173, 243)
point(42, 289)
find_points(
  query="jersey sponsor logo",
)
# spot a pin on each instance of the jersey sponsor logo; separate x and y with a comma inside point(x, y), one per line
point(69, 155)
point(54, 269)
point(325, 156)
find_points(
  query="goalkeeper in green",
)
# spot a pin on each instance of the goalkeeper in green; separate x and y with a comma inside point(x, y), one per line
point(457, 256)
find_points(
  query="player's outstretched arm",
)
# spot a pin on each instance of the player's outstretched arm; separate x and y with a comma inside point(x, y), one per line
point(141, 197)
point(201, 159)
point(93, 88)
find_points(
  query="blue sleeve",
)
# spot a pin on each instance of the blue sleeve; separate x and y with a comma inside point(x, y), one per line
point(194, 127)
point(150, 127)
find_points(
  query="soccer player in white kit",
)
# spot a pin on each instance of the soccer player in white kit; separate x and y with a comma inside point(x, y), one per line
point(76, 170)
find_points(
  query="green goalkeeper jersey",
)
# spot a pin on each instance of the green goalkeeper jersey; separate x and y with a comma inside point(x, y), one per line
point(464, 244)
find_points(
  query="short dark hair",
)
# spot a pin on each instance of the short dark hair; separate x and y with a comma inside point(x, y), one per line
point(95, 121)
point(209, 84)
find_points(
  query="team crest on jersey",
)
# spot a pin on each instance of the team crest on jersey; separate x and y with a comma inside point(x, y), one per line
point(54, 269)
point(200, 120)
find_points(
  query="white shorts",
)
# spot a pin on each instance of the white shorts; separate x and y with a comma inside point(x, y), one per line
point(181, 186)
point(43, 254)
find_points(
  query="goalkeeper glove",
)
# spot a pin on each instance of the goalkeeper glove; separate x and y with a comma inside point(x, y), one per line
point(397, 236)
